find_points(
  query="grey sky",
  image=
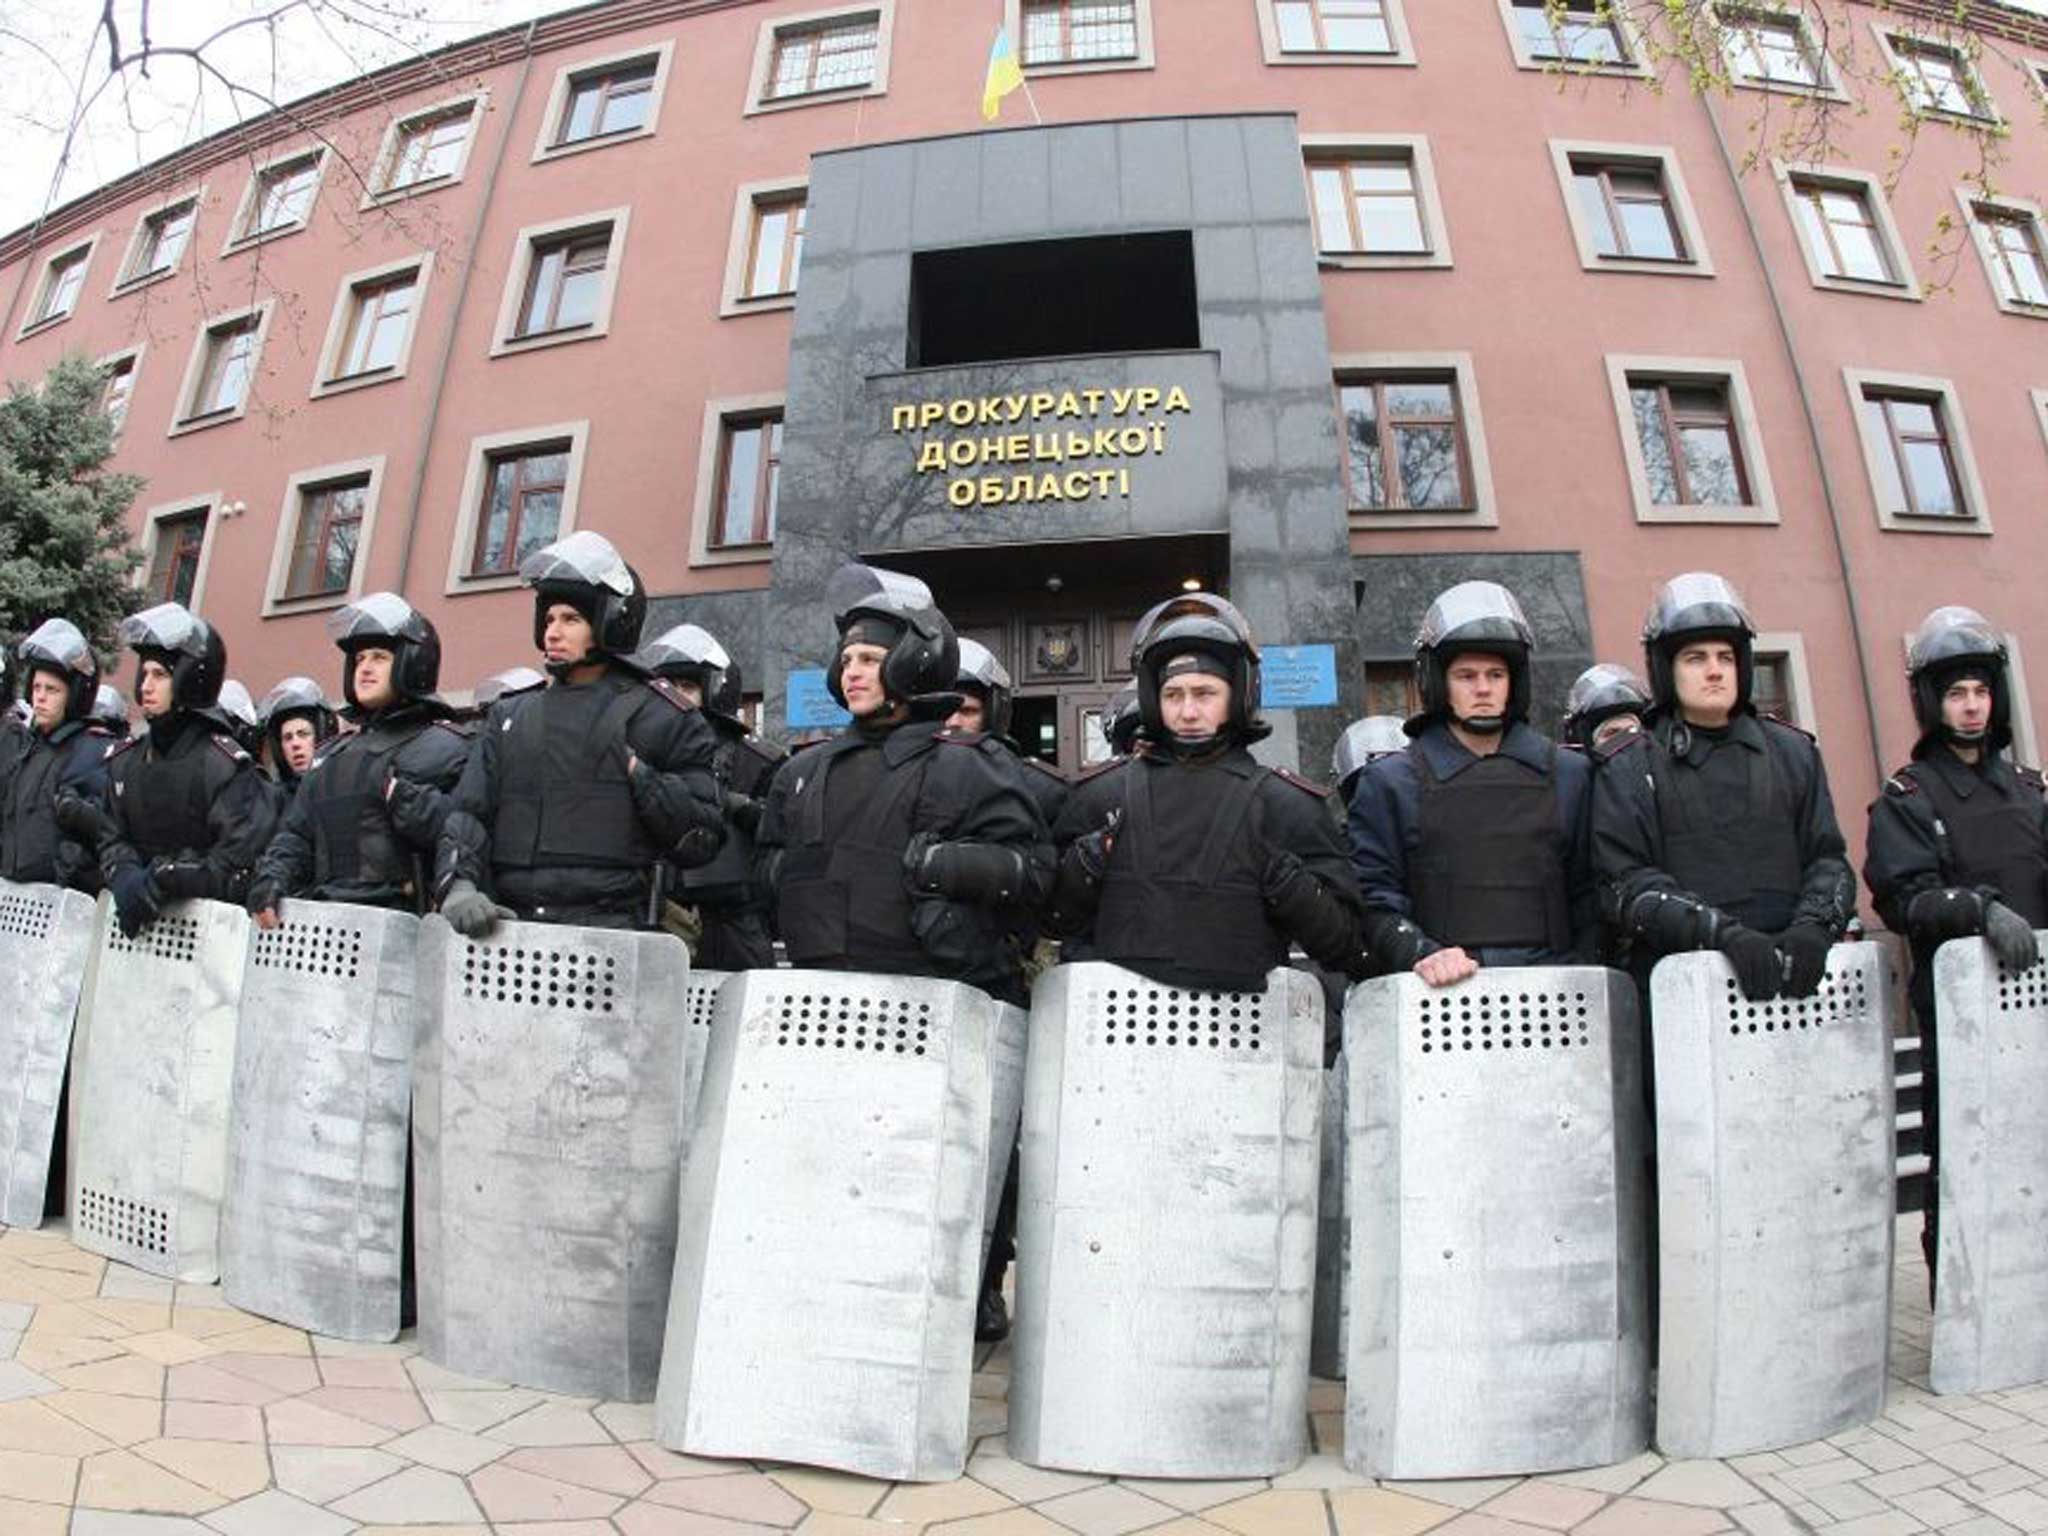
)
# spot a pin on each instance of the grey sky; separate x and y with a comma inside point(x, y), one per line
point(51, 53)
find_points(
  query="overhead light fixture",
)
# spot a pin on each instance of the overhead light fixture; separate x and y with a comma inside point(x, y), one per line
point(1191, 584)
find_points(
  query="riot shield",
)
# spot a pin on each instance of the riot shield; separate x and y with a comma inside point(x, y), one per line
point(1331, 1329)
point(153, 1073)
point(1775, 1163)
point(1006, 1110)
point(700, 1005)
point(312, 1232)
point(1499, 1293)
point(826, 1271)
point(1991, 1264)
point(1167, 1225)
point(45, 935)
point(547, 1131)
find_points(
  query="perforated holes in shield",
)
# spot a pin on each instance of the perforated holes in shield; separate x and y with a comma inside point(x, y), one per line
point(310, 949)
point(1173, 1016)
point(26, 916)
point(700, 1003)
point(579, 981)
point(168, 938)
point(2023, 991)
point(893, 1026)
point(1506, 1021)
point(128, 1223)
point(1843, 998)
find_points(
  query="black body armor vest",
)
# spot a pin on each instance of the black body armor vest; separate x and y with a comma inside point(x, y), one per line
point(1489, 872)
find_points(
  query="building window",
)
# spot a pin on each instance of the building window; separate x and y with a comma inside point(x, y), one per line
point(1333, 26)
point(612, 102)
point(837, 55)
point(1937, 78)
point(1404, 444)
point(119, 388)
point(1846, 232)
point(428, 148)
point(1390, 689)
point(280, 198)
point(1370, 206)
point(330, 525)
point(1691, 453)
point(749, 472)
point(1582, 34)
point(379, 324)
point(1079, 31)
point(174, 560)
point(775, 248)
point(522, 506)
point(1770, 685)
point(63, 279)
point(1916, 460)
point(563, 283)
point(2009, 239)
point(160, 240)
point(1628, 213)
point(227, 367)
point(1771, 49)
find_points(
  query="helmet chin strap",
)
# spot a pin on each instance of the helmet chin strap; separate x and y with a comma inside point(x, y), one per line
point(1965, 738)
point(1483, 725)
point(562, 669)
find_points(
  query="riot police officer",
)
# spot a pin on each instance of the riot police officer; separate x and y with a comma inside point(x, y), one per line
point(52, 775)
point(187, 813)
point(1605, 701)
point(578, 797)
point(986, 696)
point(895, 846)
point(1714, 829)
point(110, 711)
point(297, 721)
point(731, 909)
point(236, 709)
point(1190, 863)
point(370, 809)
point(1959, 836)
point(1364, 742)
point(1472, 844)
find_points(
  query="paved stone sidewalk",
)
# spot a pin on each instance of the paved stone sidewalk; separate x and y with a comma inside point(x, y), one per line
point(131, 1407)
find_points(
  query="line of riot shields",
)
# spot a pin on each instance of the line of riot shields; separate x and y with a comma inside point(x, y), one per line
point(762, 1199)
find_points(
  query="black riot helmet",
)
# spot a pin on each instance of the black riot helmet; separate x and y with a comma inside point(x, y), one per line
point(503, 685)
point(1474, 616)
point(236, 709)
point(191, 648)
point(1197, 631)
point(56, 646)
point(296, 698)
point(1953, 642)
point(1598, 694)
point(387, 622)
point(988, 680)
point(690, 653)
point(588, 574)
point(110, 709)
point(1120, 720)
point(877, 607)
point(1365, 741)
point(1698, 605)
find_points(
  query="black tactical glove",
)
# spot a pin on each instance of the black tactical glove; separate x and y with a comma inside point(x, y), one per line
point(78, 818)
point(1303, 908)
point(1805, 947)
point(962, 871)
point(179, 879)
point(1671, 924)
point(1396, 943)
point(264, 896)
point(1091, 849)
point(1758, 967)
point(136, 901)
point(470, 912)
point(1947, 912)
point(2010, 936)
point(743, 811)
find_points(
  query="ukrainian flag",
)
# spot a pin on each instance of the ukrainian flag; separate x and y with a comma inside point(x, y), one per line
point(1004, 74)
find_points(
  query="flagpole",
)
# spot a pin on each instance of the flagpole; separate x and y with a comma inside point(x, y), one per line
point(1032, 102)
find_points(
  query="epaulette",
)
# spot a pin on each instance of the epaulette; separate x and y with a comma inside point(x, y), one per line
point(669, 690)
point(128, 745)
point(458, 728)
point(768, 752)
point(226, 746)
point(1307, 786)
point(1798, 730)
point(1901, 783)
point(1617, 744)
point(2031, 777)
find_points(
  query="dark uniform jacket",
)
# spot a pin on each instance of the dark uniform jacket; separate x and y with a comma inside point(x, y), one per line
point(183, 792)
point(1492, 854)
point(1739, 819)
point(35, 770)
point(548, 818)
point(840, 817)
point(1214, 865)
point(732, 908)
point(344, 839)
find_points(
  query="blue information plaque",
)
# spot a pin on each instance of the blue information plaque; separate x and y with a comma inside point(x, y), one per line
point(811, 705)
point(1299, 676)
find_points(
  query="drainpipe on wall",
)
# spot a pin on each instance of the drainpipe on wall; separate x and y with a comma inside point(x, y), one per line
point(1820, 463)
point(433, 417)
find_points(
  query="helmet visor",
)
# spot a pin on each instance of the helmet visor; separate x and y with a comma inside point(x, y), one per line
point(1364, 740)
point(856, 588)
point(687, 645)
point(1951, 633)
point(979, 667)
point(57, 643)
point(1475, 611)
point(584, 557)
point(1222, 615)
point(235, 703)
point(1606, 686)
point(1697, 601)
point(166, 627)
point(380, 616)
point(292, 693)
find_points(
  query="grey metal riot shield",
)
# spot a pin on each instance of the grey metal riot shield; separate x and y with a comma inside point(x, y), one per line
point(153, 1071)
point(700, 1004)
point(45, 936)
point(1991, 1263)
point(1775, 1163)
point(1166, 1225)
point(312, 1232)
point(547, 1131)
point(1006, 1110)
point(1327, 1341)
point(1499, 1293)
point(826, 1270)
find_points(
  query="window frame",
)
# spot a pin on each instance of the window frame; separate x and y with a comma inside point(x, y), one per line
point(123, 283)
point(1143, 57)
point(773, 27)
point(482, 450)
point(1663, 159)
point(1890, 35)
point(1790, 645)
point(528, 245)
point(206, 504)
point(1975, 519)
point(705, 501)
point(547, 144)
point(182, 421)
point(277, 600)
point(35, 322)
point(380, 191)
point(132, 356)
point(1402, 55)
point(1727, 372)
point(341, 322)
point(1484, 510)
point(2016, 210)
point(1631, 42)
point(1414, 147)
point(748, 199)
point(1729, 13)
point(240, 237)
point(1789, 173)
